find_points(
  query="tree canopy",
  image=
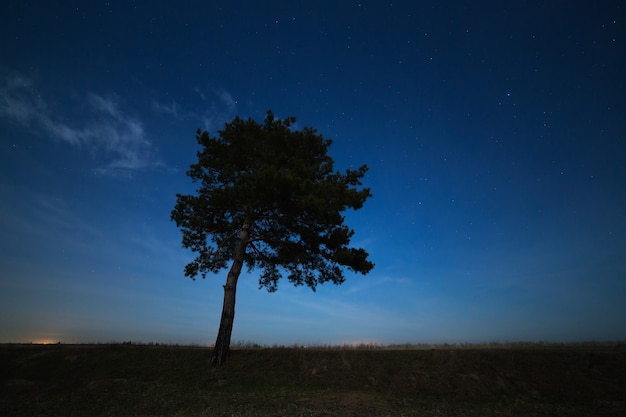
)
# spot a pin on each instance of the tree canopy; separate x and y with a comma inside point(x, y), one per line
point(280, 184)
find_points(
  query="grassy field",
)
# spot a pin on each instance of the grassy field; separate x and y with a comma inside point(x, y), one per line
point(130, 380)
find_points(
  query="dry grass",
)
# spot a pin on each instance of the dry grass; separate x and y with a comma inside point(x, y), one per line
point(518, 380)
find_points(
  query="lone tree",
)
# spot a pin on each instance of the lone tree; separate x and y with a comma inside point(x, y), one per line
point(268, 198)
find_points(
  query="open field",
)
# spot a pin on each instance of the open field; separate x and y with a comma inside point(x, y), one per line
point(136, 380)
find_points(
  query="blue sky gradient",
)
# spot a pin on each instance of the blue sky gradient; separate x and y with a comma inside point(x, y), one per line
point(495, 136)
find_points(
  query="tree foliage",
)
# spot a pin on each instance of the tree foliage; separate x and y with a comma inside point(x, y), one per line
point(279, 184)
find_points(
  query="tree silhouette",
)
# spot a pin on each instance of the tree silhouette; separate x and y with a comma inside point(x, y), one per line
point(268, 198)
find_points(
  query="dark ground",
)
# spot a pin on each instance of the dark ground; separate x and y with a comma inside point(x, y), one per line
point(131, 380)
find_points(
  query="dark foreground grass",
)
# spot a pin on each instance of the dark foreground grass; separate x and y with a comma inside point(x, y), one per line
point(122, 380)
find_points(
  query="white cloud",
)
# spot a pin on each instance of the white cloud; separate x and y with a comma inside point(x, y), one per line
point(218, 107)
point(120, 136)
point(217, 111)
point(30, 215)
point(228, 100)
point(172, 109)
point(106, 131)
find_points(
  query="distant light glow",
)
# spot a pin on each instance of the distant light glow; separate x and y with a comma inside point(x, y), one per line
point(45, 342)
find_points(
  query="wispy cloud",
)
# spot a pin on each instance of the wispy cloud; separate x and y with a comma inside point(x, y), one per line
point(218, 106)
point(218, 111)
point(171, 109)
point(107, 132)
point(31, 216)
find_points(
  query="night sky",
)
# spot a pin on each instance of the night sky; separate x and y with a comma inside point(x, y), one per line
point(495, 133)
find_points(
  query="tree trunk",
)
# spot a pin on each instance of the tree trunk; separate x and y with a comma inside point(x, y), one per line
point(222, 343)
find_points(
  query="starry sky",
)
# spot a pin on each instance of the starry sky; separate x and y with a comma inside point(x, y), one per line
point(495, 133)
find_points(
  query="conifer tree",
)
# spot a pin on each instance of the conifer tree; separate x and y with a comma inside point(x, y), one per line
point(269, 199)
